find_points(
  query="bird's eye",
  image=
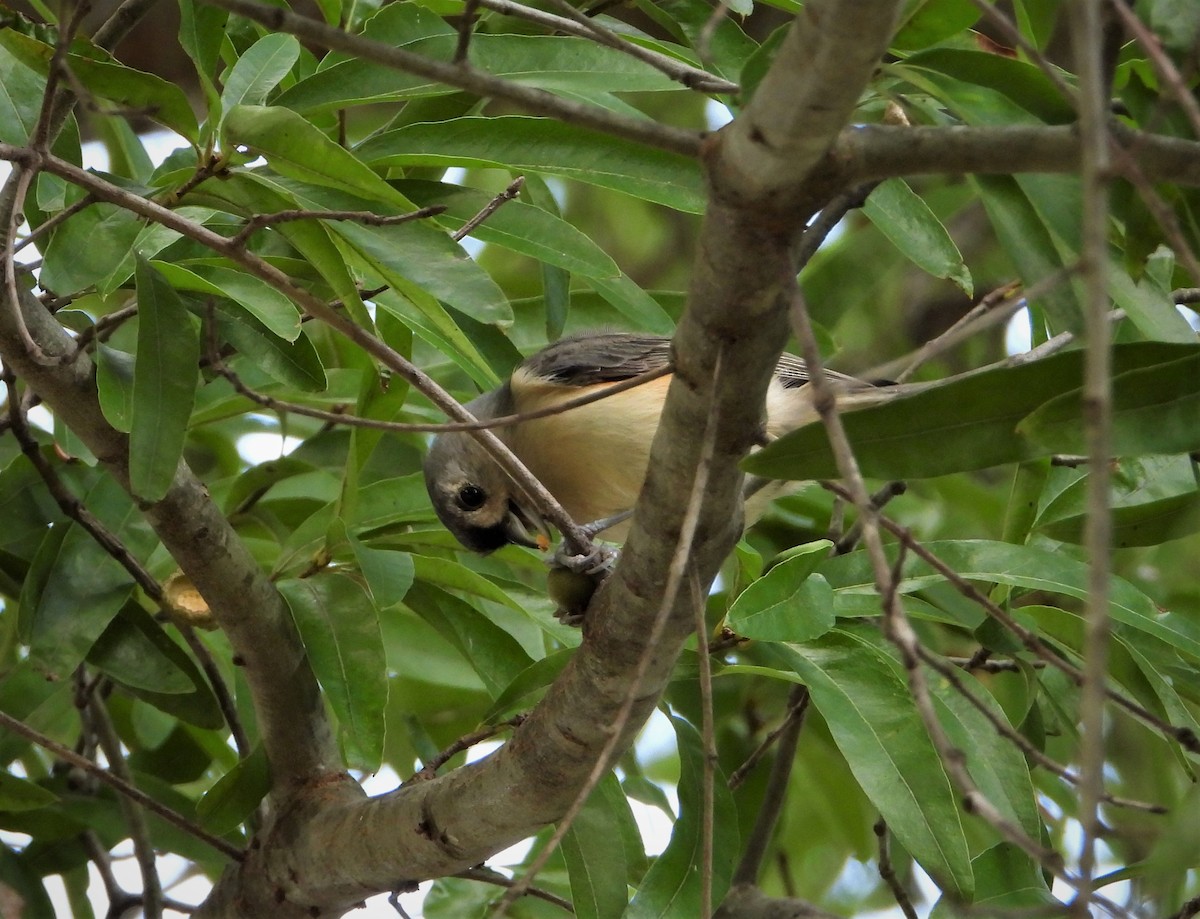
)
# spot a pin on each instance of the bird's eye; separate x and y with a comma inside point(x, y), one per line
point(471, 497)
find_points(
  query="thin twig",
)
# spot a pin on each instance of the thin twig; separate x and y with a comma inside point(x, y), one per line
point(1163, 66)
point(676, 573)
point(1185, 295)
point(366, 218)
point(586, 25)
point(1087, 33)
point(513, 189)
point(466, 27)
point(135, 817)
point(429, 770)
point(71, 758)
point(797, 706)
point(1184, 736)
point(10, 218)
point(708, 750)
point(888, 872)
point(788, 735)
point(486, 875)
point(949, 672)
point(829, 217)
point(54, 220)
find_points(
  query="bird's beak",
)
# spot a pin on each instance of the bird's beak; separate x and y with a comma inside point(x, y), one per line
point(526, 528)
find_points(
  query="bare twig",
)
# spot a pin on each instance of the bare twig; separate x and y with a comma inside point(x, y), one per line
point(888, 872)
point(513, 189)
point(1087, 32)
point(575, 22)
point(680, 560)
point(1186, 295)
point(366, 218)
point(708, 751)
point(135, 818)
point(51, 222)
point(797, 706)
point(788, 736)
point(466, 27)
point(69, 756)
point(1166, 70)
point(429, 770)
point(486, 875)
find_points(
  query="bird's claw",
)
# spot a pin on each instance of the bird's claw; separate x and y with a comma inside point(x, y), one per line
point(599, 560)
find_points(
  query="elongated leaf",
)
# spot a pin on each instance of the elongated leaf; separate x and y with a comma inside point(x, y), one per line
point(74, 587)
point(20, 98)
point(973, 421)
point(1154, 410)
point(389, 573)
point(164, 384)
point(907, 221)
point(163, 101)
point(595, 851)
point(114, 381)
point(136, 653)
point(17, 794)
point(876, 726)
point(789, 603)
point(1033, 568)
point(340, 629)
point(236, 794)
point(494, 654)
point(672, 885)
point(408, 255)
point(271, 308)
point(453, 576)
point(544, 145)
point(259, 70)
point(89, 247)
point(293, 363)
point(296, 148)
point(517, 226)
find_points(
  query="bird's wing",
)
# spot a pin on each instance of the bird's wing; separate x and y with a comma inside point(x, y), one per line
point(599, 357)
point(793, 373)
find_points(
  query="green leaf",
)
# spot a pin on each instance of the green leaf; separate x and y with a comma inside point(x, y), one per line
point(973, 420)
point(89, 247)
point(259, 70)
point(1035, 569)
point(453, 576)
point(517, 226)
point(557, 63)
point(262, 301)
point(136, 653)
point(876, 726)
point(1007, 879)
point(17, 794)
point(21, 91)
point(388, 572)
point(672, 885)
point(544, 145)
point(594, 849)
point(201, 31)
point(530, 681)
point(340, 629)
point(494, 654)
point(74, 587)
point(1154, 410)
point(235, 795)
point(164, 384)
point(901, 215)
point(1153, 499)
point(114, 381)
point(297, 149)
point(789, 603)
point(163, 101)
point(294, 363)
point(931, 21)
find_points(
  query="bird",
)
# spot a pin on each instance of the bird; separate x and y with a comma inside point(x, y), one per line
point(592, 458)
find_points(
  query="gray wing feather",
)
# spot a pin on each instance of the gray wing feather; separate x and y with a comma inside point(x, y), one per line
point(598, 357)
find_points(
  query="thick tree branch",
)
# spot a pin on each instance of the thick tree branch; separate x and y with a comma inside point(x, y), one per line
point(883, 151)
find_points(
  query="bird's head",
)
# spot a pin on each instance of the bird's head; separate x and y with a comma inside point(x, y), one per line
point(476, 499)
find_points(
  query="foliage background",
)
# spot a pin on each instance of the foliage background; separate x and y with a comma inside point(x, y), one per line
point(417, 644)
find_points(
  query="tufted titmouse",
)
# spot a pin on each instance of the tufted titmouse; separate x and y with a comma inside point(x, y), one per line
point(592, 458)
